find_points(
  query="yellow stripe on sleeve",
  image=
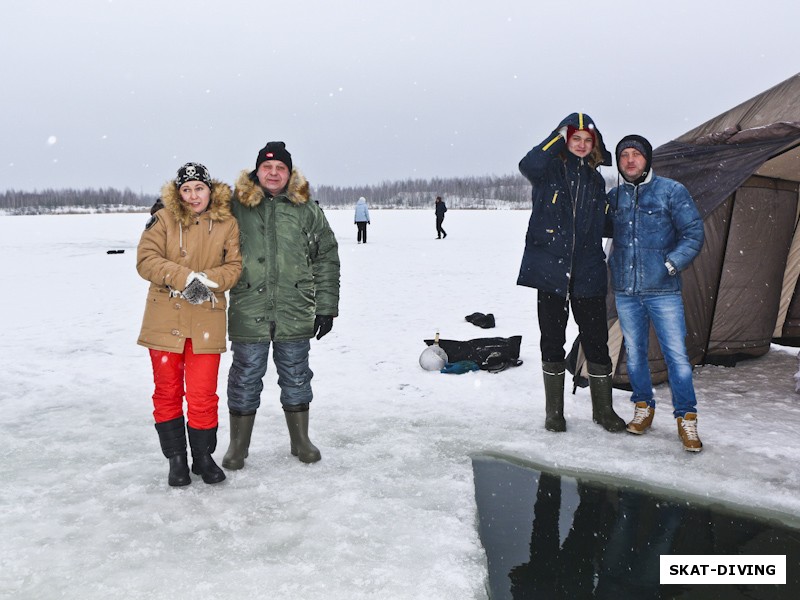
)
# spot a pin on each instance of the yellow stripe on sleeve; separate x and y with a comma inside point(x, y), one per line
point(551, 142)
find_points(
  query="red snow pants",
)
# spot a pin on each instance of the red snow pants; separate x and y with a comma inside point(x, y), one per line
point(200, 371)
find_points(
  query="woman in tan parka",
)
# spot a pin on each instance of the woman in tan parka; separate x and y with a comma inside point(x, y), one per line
point(189, 252)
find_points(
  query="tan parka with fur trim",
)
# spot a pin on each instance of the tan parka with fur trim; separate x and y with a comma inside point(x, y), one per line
point(176, 242)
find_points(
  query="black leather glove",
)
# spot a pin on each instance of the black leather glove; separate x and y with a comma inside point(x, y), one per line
point(322, 325)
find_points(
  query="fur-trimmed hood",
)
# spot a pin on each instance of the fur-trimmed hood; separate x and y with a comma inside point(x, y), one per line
point(219, 209)
point(250, 193)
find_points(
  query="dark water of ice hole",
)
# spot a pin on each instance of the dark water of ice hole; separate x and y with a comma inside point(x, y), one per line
point(552, 536)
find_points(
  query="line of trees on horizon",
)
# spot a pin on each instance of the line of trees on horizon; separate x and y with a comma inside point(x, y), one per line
point(487, 191)
point(74, 201)
point(478, 192)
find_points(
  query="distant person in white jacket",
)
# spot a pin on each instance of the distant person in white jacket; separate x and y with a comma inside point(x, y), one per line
point(362, 219)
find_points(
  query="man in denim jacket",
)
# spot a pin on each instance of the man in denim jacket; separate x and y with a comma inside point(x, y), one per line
point(658, 232)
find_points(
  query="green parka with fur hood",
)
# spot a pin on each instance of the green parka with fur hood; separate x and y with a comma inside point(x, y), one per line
point(176, 242)
point(290, 263)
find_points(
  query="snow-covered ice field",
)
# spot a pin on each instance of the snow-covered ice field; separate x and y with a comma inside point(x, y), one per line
point(389, 512)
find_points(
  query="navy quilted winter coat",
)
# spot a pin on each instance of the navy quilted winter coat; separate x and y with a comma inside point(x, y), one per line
point(564, 247)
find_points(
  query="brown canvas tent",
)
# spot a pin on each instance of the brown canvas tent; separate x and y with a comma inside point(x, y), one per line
point(742, 168)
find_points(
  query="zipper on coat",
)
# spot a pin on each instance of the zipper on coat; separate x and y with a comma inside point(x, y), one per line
point(574, 197)
point(633, 234)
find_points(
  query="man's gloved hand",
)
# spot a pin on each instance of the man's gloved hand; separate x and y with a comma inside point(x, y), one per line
point(202, 278)
point(197, 292)
point(322, 325)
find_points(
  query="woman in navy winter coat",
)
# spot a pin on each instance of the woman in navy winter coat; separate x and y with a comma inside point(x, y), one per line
point(564, 260)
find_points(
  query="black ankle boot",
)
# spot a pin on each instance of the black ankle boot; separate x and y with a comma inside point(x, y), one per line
point(179, 470)
point(172, 435)
point(203, 442)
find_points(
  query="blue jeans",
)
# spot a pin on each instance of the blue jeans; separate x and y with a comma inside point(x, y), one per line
point(245, 378)
point(666, 313)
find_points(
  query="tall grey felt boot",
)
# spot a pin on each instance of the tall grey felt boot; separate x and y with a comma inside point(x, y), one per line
point(602, 406)
point(241, 430)
point(172, 436)
point(554, 395)
point(203, 442)
point(297, 422)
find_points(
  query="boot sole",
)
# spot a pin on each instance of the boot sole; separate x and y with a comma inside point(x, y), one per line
point(635, 432)
point(208, 480)
point(612, 428)
point(179, 483)
point(306, 459)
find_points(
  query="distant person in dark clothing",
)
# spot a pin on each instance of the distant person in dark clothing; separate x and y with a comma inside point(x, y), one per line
point(361, 219)
point(440, 208)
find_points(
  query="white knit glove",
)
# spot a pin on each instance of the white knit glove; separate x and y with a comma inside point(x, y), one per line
point(201, 277)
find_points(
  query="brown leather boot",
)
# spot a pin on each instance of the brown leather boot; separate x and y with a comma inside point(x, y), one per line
point(687, 431)
point(642, 418)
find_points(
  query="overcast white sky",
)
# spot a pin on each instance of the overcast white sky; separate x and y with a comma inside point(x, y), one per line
point(120, 93)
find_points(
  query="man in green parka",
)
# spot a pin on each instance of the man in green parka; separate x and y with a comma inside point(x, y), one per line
point(287, 294)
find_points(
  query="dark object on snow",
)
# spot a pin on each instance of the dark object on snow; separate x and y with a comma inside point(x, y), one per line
point(575, 355)
point(197, 292)
point(491, 354)
point(460, 367)
point(115, 251)
point(481, 320)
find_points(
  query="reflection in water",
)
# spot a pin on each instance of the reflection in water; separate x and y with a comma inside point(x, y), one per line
point(615, 538)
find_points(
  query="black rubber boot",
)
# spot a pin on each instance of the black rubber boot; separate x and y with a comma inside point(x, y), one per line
point(554, 395)
point(297, 422)
point(241, 430)
point(203, 442)
point(172, 435)
point(602, 406)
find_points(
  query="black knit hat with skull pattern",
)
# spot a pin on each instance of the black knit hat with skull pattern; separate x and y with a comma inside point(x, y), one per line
point(193, 171)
